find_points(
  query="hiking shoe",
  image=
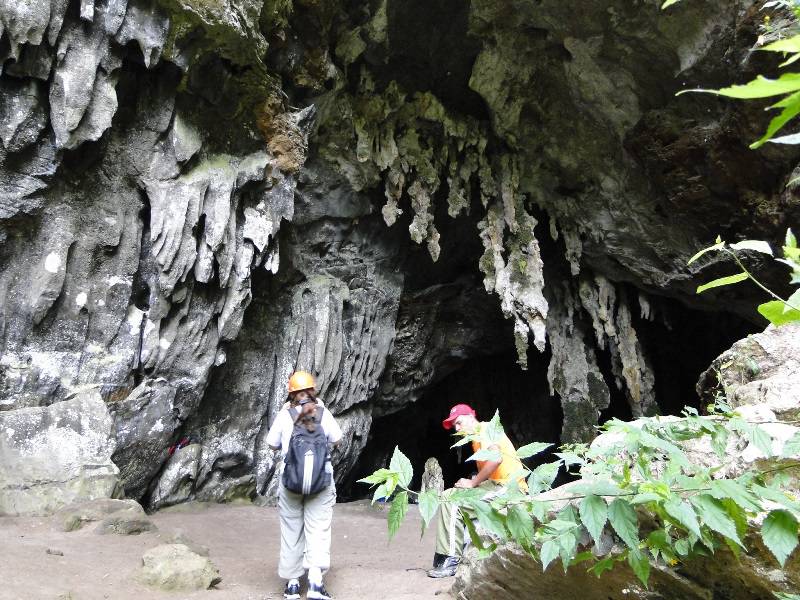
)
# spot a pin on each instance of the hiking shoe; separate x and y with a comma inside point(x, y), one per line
point(292, 591)
point(447, 568)
point(317, 591)
point(438, 560)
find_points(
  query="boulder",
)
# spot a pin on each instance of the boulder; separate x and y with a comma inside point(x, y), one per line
point(56, 455)
point(124, 524)
point(762, 369)
point(174, 567)
point(75, 516)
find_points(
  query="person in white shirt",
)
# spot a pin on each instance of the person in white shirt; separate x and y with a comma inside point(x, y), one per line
point(305, 519)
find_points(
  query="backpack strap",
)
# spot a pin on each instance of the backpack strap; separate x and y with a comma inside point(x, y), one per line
point(318, 415)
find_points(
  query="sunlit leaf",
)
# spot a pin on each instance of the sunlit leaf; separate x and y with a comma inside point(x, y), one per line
point(729, 280)
point(531, 449)
point(788, 140)
point(486, 454)
point(548, 553)
point(717, 246)
point(779, 532)
point(640, 565)
point(428, 502)
point(756, 245)
point(773, 311)
point(790, 108)
point(402, 466)
point(624, 521)
point(377, 477)
point(397, 512)
point(520, 525)
point(683, 513)
point(760, 87)
point(594, 514)
point(714, 516)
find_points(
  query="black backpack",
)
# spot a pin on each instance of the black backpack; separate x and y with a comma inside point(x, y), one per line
point(304, 469)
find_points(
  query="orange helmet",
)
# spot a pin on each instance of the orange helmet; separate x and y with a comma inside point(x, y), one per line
point(300, 380)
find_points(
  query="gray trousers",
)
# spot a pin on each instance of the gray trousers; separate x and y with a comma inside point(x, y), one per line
point(450, 528)
point(305, 531)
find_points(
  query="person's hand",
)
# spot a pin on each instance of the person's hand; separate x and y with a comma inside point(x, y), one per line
point(464, 483)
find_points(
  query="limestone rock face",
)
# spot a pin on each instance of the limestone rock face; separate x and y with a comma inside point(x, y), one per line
point(762, 370)
point(56, 455)
point(197, 198)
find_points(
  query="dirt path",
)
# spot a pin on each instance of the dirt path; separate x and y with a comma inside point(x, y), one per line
point(243, 543)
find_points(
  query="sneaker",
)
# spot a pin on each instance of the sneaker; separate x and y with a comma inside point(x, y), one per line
point(317, 591)
point(292, 591)
point(447, 568)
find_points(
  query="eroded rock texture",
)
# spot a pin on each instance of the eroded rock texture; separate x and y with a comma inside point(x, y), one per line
point(198, 197)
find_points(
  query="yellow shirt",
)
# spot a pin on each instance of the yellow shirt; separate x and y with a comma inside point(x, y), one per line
point(509, 464)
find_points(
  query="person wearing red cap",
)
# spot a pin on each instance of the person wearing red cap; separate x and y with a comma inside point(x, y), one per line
point(492, 475)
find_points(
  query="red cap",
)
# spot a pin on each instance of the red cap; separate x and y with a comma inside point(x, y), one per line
point(455, 412)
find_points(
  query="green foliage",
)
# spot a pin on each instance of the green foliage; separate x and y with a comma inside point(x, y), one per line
point(639, 487)
point(777, 311)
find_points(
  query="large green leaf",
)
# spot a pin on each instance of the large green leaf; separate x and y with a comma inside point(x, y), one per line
point(715, 517)
point(773, 311)
point(683, 513)
point(594, 514)
point(718, 245)
point(729, 280)
point(492, 432)
point(397, 512)
point(476, 539)
point(779, 532)
point(487, 455)
point(640, 565)
point(791, 44)
point(491, 519)
point(623, 519)
point(377, 477)
point(531, 449)
point(428, 502)
point(542, 477)
point(730, 488)
point(548, 553)
point(790, 108)
point(761, 439)
point(760, 87)
point(520, 525)
point(402, 466)
point(598, 487)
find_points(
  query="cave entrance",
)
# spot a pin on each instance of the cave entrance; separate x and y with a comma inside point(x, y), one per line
point(488, 384)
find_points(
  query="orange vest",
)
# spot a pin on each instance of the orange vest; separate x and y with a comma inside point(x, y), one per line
point(509, 464)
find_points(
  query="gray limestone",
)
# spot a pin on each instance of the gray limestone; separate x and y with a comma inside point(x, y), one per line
point(56, 455)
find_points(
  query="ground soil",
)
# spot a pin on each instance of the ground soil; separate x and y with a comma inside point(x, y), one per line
point(38, 562)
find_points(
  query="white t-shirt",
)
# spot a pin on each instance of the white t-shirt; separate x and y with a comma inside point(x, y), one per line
point(281, 430)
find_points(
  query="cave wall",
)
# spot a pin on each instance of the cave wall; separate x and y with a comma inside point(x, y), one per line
point(197, 197)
